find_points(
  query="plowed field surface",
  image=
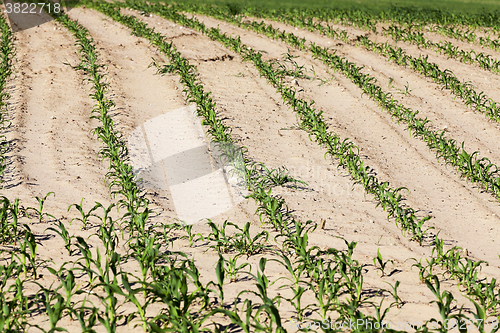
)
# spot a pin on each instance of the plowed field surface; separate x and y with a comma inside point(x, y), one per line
point(53, 149)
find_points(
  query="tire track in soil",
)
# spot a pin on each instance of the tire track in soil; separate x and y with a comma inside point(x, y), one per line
point(403, 160)
point(246, 102)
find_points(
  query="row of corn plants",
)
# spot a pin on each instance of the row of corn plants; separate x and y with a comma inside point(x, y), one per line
point(112, 285)
point(471, 166)
point(7, 227)
point(464, 270)
point(367, 20)
point(467, 35)
point(478, 101)
point(344, 150)
point(17, 241)
point(402, 15)
point(409, 35)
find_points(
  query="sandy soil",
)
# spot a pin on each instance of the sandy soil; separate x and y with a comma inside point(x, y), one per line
point(53, 148)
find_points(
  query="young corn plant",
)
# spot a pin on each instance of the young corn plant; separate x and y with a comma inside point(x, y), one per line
point(86, 315)
point(54, 306)
point(85, 216)
point(12, 312)
point(246, 244)
point(272, 321)
point(443, 300)
point(66, 237)
point(130, 294)
point(298, 286)
point(192, 238)
point(68, 284)
point(28, 250)
point(39, 211)
point(9, 215)
point(380, 264)
point(232, 269)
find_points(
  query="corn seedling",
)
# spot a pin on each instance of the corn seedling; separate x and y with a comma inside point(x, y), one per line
point(380, 264)
point(39, 211)
point(54, 305)
point(87, 316)
point(232, 269)
point(246, 244)
point(63, 232)
point(192, 238)
point(444, 301)
point(85, 216)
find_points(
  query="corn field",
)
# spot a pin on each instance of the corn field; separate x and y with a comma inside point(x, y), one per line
point(351, 162)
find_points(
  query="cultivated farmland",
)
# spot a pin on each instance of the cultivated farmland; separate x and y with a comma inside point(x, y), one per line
point(190, 168)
